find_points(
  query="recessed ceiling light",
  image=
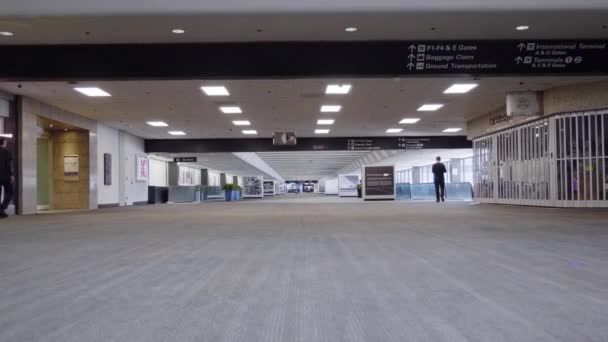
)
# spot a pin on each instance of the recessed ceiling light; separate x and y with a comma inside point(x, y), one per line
point(92, 91)
point(231, 109)
point(460, 88)
point(330, 108)
point(250, 131)
point(339, 89)
point(157, 123)
point(241, 123)
point(394, 130)
point(51, 125)
point(6, 33)
point(215, 90)
point(351, 29)
point(325, 121)
point(409, 121)
point(430, 107)
point(177, 132)
point(522, 27)
point(452, 130)
point(321, 131)
point(178, 31)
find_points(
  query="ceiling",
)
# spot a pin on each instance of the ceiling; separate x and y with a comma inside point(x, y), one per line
point(134, 21)
point(222, 162)
point(309, 165)
point(373, 106)
point(124, 7)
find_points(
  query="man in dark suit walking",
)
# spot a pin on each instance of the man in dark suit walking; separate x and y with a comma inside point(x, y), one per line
point(438, 172)
point(7, 177)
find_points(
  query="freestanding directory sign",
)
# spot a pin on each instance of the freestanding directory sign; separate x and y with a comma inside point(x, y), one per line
point(253, 187)
point(269, 189)
point(347, 185)
point(379, 182)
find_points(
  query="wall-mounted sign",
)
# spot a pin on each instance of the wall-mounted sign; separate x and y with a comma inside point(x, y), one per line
point(185, 159)
point(523, 103)
point(71, 171)
point(5, 109)
point(107, 169)
point(379, 182)
point(284, 138)
point(142, 169)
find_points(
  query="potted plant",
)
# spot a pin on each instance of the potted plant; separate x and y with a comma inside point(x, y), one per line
point(359, 190)
point(228, 191)
point(236, 192)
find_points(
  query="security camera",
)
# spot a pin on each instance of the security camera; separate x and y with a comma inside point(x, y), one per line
point(19, 86)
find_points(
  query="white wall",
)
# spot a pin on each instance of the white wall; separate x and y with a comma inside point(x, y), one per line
point(159, 172)
point(189, 176)
point(107, 142)
point(410, 159)
point(131, 191)
point(214, 178)
point(331, 186)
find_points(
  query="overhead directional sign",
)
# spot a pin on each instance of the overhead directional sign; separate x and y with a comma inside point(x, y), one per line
point(506, 57)
point(185, 159)
point(304, 59)
point(306, 144)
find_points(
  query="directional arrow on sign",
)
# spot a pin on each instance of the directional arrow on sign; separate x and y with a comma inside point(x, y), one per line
point(410, 66)
point(412, 48)
point(411, 57)
point(521, 46)
point(518, 59)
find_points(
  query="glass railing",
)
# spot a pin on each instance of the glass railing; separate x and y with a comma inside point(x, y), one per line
point(404, 191)
point(426, 191)
point(212, 192)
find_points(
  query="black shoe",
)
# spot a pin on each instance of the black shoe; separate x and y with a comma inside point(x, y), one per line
point(437, 201)
point(442, 199)
point(3, 214)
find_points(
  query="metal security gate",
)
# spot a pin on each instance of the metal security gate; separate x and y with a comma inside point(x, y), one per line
point(555, 161)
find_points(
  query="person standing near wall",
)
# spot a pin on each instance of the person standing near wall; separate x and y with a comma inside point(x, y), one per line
point(438, 172)
point(7, 177)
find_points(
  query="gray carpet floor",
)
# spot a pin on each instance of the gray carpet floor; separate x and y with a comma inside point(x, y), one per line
point(306, 271)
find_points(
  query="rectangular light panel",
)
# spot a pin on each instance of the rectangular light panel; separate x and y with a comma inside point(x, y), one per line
point(338, 89)
point(452, 130)
point(231, 110)
point(92, 91)
point(250, 132)
point(241, 123)
point(460, 88)
point(409, 121)
point(215, 91)
point(394, 130)
point(430, 107)
point(321, 131)
point(325, 121)
point(330, 108)
point(157, 123)
point(177, 132)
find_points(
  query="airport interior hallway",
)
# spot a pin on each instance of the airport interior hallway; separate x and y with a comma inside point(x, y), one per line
point(281, 271)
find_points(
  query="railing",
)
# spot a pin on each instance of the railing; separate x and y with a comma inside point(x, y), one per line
point(426, 191)
point(212, 192)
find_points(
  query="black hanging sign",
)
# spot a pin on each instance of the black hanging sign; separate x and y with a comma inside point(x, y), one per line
point(185, 159)
point(304, 144)
point(304, 59)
